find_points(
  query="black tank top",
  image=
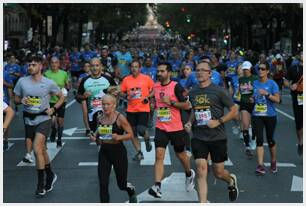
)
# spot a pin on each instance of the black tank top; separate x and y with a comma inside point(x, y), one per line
point(115, 128)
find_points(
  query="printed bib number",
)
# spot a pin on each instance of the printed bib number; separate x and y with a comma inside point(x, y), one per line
point(34, 103)
point(231, 70)
point(105, 132)
point(164, 114)
point(136, 94)
point(237, 96)
point(96, 103)
point(202, 116)
point(300, 99)
point(175, 74)
point(261, 108)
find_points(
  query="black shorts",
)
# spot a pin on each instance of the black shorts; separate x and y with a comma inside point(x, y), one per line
point(247, 107)
point(177, 139)
point(217, 149)
point(76, 73)
point(138, 118)
point(60, 112)
point(43, 128)
point(298, 112)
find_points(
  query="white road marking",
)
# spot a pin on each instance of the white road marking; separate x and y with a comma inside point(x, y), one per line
point(149, 157)
point(52, 152)
point(88, 164)
point(70, 103)
point(70, 131)
point(173, 190)
point(285, 114)
point(63, 138)
point(279, 164)
point(297, 184)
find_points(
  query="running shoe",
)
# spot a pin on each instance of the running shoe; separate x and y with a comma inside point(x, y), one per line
point(233, 190)
point(132, 193)
point(59, 143)
point(40, 191)
point(138, 156)
point(253, 144)
point(273, 167)
point(28, 158)
point(235, 130)
point(50, 182)
point(148, 145)
point(260, 169)
point(155, 191)
point(189, 182)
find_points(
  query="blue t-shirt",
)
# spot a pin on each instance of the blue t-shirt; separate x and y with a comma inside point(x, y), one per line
point(264, 106)
point(235, 85)
point(123, 62)
point(216, 78)
point(176, 67)
point(151, 72)
point(24, 70)
point(231, 67)
point(183, 82)
point(12, 68)
point(88, 55)
point(7, 78)
point(74, 59)
point(83, 75)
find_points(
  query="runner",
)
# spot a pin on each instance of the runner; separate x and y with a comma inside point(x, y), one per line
point(295, 76)
point(207, 122)
point(34, 93)
point(91, 90)
point(61, 79)
point(113, 129)
point(169, 127)
point(246, 107)
point(137, 87)
point(8, 115)
point(266, 93)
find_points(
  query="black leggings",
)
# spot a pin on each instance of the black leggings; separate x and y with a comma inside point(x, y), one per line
point(112, 155)
point(258, 124)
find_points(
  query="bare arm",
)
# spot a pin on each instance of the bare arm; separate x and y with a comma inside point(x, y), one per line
point(125, 125)
point(9, 115)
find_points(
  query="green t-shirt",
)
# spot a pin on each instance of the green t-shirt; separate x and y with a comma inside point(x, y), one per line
point(60, 78)
point(246, 88)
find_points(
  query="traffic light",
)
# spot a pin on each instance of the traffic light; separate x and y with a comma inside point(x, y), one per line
point(167, 24)
point(226, 38)
point(188, 18)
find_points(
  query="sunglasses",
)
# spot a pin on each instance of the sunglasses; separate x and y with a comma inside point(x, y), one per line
point(262, 68)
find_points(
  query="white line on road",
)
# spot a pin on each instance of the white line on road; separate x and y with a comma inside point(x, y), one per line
point(149, 157)
point(70, 103)
point(64, 138)
point(285, 114)
point(279, 164)
point(88, 164)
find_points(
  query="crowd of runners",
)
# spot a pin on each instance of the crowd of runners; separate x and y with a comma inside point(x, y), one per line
point(185, 93)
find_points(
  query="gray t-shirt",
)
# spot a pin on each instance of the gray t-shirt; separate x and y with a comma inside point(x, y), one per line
point(38, 94)
point(208, 103)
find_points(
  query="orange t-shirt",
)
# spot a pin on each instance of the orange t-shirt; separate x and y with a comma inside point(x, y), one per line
point(137, 90)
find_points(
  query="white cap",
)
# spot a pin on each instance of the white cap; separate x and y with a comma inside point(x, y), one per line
point(246, 65)
point(278, 56)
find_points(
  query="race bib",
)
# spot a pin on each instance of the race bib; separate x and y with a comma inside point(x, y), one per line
point(261, 108)
point(34, 103)
point(105, 132)
point(237, 96)
point(174, 74)
point(231, 70)
point(202, 116)
point(136, 93)
point(96, 103)
point(164, 114)
point(300, 99)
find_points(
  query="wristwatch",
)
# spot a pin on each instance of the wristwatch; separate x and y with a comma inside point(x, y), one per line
point(268, 95)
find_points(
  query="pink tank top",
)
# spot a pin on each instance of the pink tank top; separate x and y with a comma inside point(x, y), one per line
point(168, 117)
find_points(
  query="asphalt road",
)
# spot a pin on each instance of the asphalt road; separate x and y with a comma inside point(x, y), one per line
point(75, 165)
